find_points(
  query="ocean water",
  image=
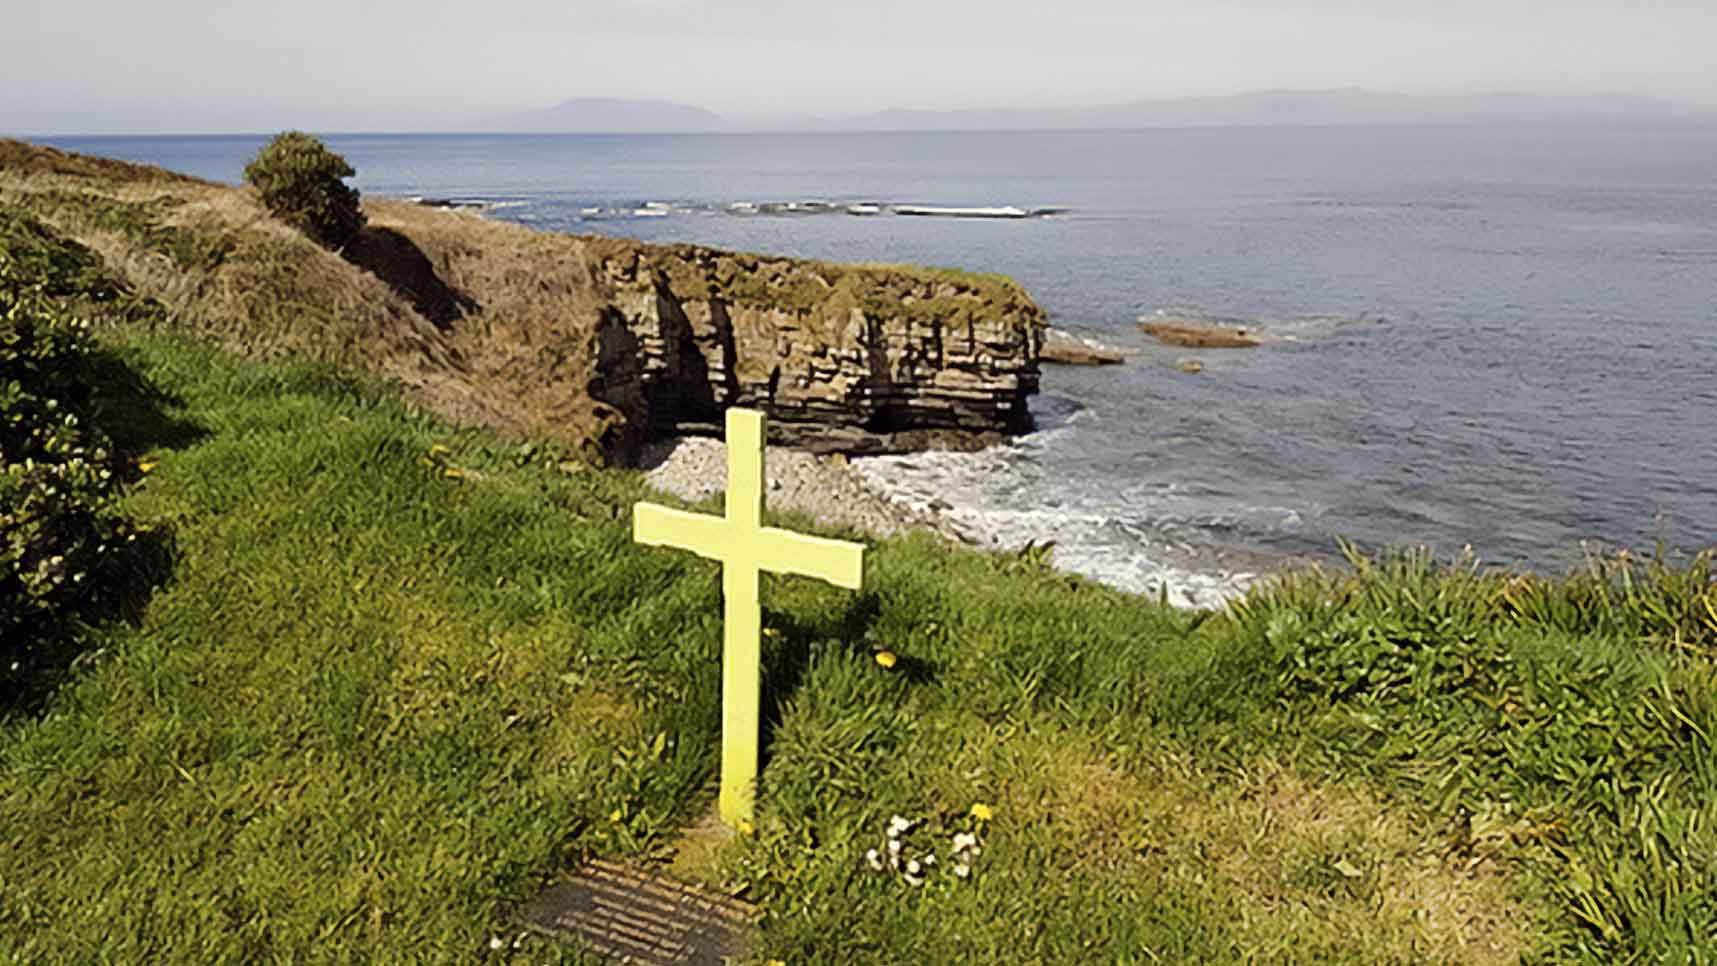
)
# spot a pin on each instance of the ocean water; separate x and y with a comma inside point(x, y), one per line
point(1496, 337)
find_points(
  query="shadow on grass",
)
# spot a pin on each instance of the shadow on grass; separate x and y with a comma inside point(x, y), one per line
point(46, 651)
point(50, 655)
point(848, 631)
point(135, 414)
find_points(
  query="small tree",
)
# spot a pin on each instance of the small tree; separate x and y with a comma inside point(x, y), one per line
point(301, 182)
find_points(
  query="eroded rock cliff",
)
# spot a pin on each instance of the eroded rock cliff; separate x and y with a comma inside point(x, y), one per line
point(842, 357)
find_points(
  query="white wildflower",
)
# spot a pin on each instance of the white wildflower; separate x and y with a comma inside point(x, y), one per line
point(914, 867)
point(893, 846)
point(964, 841)
point(898, 826)
point(913, 880)
point(495, 942)
point(874, 860)
point(962, 870)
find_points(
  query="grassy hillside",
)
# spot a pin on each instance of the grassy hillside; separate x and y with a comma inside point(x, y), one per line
point(399, 674)
point(217, 264)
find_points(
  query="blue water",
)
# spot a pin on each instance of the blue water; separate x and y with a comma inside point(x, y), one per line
point(1518, 345)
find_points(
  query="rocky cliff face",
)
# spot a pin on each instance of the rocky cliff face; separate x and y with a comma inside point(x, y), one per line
point(850, 358)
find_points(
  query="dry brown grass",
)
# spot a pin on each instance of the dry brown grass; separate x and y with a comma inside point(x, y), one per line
point(266, 289)
point(532, 335)
point(520, 361)
point(25, 159)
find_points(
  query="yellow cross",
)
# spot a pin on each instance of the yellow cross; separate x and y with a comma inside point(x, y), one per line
point(745, 547)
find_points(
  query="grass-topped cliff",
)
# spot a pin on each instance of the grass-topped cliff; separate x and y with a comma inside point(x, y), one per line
point(388, 676)
point(534, 332)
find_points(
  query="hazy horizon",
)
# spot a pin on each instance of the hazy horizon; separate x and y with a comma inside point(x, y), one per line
point(1245, 108)
point(198, 66)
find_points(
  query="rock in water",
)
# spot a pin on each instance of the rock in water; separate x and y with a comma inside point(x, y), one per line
point(1065, 348)
point(1198, 335)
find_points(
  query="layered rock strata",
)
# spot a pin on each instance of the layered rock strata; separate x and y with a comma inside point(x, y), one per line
point(842, 358)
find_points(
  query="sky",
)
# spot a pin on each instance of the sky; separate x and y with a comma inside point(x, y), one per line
point(187, 66)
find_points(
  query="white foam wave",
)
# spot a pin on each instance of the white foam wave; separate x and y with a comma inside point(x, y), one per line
point(989, 499)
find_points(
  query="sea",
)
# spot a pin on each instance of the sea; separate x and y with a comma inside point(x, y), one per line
point(1501, 338)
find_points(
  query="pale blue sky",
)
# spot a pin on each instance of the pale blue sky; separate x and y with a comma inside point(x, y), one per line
point(241, 65)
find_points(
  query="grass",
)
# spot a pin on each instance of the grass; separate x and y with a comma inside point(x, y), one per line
point(402, 675)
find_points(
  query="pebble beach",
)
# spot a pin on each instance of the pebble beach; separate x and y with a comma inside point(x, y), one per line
point(838, 492)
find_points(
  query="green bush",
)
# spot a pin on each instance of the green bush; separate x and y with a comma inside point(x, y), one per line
point(58, 266)
point(301, 182)
point(61, 545)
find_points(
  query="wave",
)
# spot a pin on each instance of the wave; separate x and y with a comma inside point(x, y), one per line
point(993, 499)
point(819, 207)
point(466, 204)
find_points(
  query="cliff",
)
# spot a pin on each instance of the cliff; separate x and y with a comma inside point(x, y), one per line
point(601, 343)
point(851, 358)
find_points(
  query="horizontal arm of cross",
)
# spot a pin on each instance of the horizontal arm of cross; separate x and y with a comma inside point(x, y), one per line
point(836, 561)
point(700, 533)
point(769, 548)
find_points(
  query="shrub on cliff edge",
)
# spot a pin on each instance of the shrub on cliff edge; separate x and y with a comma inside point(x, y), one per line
point(63, 549)
point(302, 183)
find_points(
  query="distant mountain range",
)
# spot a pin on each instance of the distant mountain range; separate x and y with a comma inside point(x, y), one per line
point(1344, 106)
point(1350, 106)
point(606, 115)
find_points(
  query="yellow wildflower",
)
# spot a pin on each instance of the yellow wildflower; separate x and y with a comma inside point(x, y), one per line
point(886, 658)
point(982, 812)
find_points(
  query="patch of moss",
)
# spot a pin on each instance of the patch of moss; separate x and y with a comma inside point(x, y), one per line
point(686, 279)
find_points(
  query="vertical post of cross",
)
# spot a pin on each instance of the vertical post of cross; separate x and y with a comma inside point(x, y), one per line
point(742, 618)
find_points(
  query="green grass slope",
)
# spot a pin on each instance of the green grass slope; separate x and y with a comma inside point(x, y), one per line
point(402, 675)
